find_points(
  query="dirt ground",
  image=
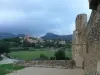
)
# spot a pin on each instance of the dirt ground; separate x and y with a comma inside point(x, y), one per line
point(48, 71)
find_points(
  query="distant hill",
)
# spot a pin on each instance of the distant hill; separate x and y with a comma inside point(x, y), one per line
point(21, 35)
point(9, 35)
point(47, 36)
point(50, 36)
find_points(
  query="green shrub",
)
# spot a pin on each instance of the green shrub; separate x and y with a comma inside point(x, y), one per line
point(52, 58)
point(60, 55)
point(43, 56)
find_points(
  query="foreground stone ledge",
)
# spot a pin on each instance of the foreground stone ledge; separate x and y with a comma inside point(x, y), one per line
point(63, 64)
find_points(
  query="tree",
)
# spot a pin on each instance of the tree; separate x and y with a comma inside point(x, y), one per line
point(52, 58)
point(4, 47)
point(43, 56)
point(14, 42)
point(15, 39)
point(60, 55)
point(68, 45)
point(67, 58)
point(27, 44)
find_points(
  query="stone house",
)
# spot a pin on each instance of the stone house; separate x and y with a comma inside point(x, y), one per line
point(86, 40)
point(29, 39)
point(62, 42)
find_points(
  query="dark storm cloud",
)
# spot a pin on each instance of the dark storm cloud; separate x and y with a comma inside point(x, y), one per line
point(36, 17)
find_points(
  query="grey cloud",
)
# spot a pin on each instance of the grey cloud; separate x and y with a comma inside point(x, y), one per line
point(36, 17)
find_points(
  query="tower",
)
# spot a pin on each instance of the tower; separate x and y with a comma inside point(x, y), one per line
point(81, 21)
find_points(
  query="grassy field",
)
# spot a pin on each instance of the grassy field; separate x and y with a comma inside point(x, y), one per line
point(28, 55)
point(8, 68)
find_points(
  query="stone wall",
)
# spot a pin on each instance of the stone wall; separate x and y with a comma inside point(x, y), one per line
point(89, 45)
point(48, 63)
point(93, 56)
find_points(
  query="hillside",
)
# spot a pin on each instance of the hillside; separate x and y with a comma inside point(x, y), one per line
point(9, 35)
point(50, 36)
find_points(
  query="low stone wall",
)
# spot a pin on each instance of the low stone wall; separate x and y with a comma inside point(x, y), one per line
point(47, 63)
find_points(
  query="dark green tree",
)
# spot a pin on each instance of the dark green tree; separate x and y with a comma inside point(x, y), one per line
point(27, 44)
point(14, 42)
point(4, 47)
point(60, 55)
point(52, 58)
point(15, 39)
point(43, 56)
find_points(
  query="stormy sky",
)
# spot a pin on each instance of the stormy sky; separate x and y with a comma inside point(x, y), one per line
point(37, 17)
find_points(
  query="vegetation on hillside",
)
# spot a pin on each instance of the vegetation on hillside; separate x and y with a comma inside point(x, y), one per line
point(4, 47)
point(14, 44)
point(29, 51)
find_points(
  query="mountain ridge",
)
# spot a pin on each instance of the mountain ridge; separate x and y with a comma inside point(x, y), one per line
point(4, 35)
point(50, 36)
point(47, 36)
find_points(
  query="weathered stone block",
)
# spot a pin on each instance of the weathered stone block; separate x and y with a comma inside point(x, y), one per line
point(98, 67)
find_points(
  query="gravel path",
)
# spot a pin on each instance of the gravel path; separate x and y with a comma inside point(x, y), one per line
point(48, 71)
point(7, 60)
